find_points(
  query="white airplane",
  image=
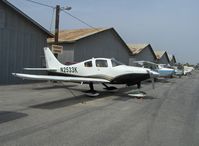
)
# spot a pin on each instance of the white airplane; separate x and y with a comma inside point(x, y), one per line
point(179, 71)
point(95, 70)
point(188, 70)
point(163, 70)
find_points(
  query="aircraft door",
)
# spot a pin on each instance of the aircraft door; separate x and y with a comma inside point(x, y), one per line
point(101, 64)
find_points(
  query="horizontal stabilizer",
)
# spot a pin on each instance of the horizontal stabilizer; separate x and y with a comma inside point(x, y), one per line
point(41, 69)
point(59, 78)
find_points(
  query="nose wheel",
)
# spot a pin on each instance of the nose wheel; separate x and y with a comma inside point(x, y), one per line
point(137, 94)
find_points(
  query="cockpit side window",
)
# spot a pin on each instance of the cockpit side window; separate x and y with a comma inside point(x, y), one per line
point(88, 64)
point(101, 63)
point(115, 63)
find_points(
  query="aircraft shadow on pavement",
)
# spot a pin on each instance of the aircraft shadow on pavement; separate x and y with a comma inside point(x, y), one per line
point(165, 80)
point(83, 99)
point(6, 116)
point(65, 102)
point(53, 87)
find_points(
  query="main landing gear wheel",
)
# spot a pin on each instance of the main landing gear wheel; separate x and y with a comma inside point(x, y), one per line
point(91, 92)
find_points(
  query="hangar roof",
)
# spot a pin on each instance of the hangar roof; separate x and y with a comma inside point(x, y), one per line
point(27, 18)
point(137, 48)
point(172, 57)
point(71, 36)
point(159, 54)
point(76, 34)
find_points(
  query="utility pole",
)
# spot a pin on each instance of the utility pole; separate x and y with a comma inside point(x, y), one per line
point(57, 24)
point(56, 48)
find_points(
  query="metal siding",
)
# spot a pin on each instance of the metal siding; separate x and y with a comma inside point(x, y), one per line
point(172, 62)
point(1, 53)
point(145, 55)
point(68, 53)
point(131, 60)
point(21, 45)
point(3, 57)
point(104, 44)
point(2, 18)
point(163, 60)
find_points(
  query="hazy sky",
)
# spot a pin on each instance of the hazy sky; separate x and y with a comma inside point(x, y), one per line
point(171, 25)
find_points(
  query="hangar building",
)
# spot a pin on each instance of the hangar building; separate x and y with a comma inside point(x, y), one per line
point(162, 57)
point(141, 52)
point(21, 42)
point(82, 44)
point(172, 60)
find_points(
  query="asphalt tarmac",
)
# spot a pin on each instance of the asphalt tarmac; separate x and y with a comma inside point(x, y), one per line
point(44, 114)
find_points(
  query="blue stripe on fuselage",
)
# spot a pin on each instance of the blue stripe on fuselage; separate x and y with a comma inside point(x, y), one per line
point(165, 72)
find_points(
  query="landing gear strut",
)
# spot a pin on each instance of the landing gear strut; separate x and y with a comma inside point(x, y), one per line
point(139, 85)
point(109, 87)
point(92, 91)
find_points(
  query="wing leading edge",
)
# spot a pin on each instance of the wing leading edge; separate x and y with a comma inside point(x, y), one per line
point(41, 69)
point(59, 78)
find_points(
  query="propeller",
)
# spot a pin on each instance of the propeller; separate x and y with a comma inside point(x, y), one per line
point(153, 75)
point(153, 82)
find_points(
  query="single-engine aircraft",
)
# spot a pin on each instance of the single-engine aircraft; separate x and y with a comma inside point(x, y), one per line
point(95, 70)
point(162, 69)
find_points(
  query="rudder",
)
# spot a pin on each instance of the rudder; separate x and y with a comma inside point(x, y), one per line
point(51, 60)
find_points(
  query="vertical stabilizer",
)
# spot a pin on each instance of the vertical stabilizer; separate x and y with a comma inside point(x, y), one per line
point(51, 60)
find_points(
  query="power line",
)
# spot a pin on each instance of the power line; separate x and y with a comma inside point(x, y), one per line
point(52, 19)
point(79, 19)
point(40, 3)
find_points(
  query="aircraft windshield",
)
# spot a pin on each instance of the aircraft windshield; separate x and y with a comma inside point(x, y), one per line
point(150, 65)
point(163, 65)
point(146, 64)
point(116, 63)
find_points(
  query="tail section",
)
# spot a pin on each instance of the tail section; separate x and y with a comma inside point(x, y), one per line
point(51, 60)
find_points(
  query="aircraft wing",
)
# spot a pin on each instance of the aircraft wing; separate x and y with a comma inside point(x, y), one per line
point(41, 69)
point(59, 78)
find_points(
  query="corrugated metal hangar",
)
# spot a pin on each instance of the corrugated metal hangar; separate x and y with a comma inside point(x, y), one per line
point(82, 44)
point(141, 52)
point(162, 57)
point(21, 42)
point(172, 60)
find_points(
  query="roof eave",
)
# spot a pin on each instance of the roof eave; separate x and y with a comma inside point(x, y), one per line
point(155, 57)
point(61, 42)
point(123, 42)
point(27, 17)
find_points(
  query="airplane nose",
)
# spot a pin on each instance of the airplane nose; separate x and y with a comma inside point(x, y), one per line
point(154, 74)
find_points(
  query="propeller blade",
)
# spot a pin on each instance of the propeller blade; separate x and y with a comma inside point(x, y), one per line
point(153, 83)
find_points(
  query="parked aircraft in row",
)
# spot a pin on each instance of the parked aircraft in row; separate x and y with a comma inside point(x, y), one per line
point(163, 70)
point(188, 70)
point(95, 70)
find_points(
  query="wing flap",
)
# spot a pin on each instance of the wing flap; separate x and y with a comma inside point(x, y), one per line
point(59, 78)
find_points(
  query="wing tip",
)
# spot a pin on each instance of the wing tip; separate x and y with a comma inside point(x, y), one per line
point(14, 74)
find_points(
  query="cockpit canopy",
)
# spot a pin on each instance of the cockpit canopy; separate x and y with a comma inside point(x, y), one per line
point(101, 62)
point(115, 62)
point(146, 64)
